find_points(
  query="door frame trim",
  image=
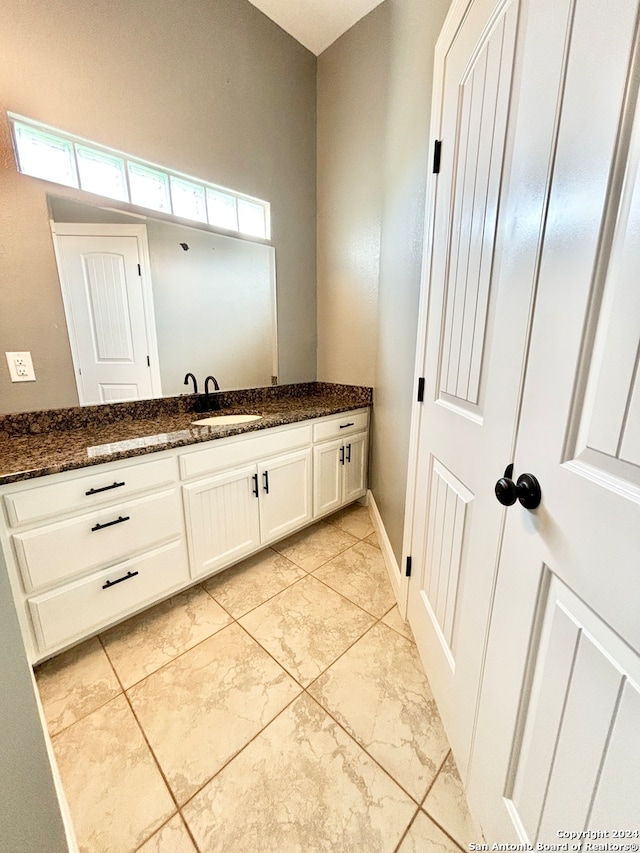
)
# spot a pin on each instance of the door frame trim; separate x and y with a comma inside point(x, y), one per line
point(454, 20)
point(93, 229)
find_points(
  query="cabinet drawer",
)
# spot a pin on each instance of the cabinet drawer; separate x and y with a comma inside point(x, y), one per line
point(74, 547)
point(239, 451)
point(82, 494)
point(77, 609)
point(346, 424)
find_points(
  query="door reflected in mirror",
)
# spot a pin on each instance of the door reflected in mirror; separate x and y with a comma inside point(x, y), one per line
point(148, 302)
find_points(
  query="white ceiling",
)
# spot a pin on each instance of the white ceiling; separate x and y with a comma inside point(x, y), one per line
point(316, 23)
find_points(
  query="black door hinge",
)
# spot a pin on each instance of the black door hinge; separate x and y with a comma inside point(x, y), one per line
point(421, 389)
point(139, 270)
point(407, 570)
point(437, 147)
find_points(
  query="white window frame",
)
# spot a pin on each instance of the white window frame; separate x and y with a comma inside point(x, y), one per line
point(61, 135)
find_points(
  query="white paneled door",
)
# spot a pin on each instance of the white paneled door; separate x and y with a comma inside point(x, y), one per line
point(110, 321)
point(472, 361)
point(558, 738)
point(527, 620)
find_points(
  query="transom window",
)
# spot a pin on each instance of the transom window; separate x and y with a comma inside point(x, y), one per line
point(54, 155)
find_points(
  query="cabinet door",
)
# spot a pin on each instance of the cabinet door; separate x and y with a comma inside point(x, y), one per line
point(327, 477)
point(355, 466)
point(223, 519)
point(285, 494)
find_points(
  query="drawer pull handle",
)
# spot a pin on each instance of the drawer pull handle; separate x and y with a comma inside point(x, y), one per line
point(255, 485)
point(118, 520)
point(348, 453)
point(104, 488)
point(265, 474)
point(123, 578)
point(344, 426)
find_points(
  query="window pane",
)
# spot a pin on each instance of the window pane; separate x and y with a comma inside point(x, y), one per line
point(251, 218)
point(101, 173)
point(222, 210)
point(188, 200)
point(66, 159)
point(45, 156)
point(149, 188)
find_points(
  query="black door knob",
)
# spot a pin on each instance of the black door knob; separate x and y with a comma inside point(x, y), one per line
point(526, 489)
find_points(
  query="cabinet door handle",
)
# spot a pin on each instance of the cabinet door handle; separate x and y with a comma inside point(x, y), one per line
point(344, 426)
point(342, 455)
point(104, 488)
point(348, 453)
point(123, 578)
point(255, 485)
point(266, 481)
point(118, 520)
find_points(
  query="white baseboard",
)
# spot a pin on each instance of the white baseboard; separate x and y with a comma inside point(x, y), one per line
point(390, 561)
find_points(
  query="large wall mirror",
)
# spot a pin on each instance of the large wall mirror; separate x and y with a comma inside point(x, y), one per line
point(148, 300)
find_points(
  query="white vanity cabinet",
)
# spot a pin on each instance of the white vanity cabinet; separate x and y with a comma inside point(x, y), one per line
point(223, 522)
point(237, 511)
point(89, 547)
point(339, 461)
point(284, 487)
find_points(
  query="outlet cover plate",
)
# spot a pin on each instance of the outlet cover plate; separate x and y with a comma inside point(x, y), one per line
point(20, 367)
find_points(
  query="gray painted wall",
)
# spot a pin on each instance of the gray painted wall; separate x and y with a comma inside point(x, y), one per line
point(212, 89)
point(352, 108)
point(374, 151)
point(30, 818)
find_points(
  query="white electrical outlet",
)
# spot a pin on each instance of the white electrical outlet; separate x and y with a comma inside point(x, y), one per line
point(20, 366)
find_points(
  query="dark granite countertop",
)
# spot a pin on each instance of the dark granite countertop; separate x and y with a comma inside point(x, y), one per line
point(38, 443)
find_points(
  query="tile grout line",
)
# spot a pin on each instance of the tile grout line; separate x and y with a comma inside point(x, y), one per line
point(153, 756)
point(273, 720)
point(88, 713)
point(309, 573)
point(439, 770)
point(428, 814)
point(351, 601)
point(303, 689)
point(418, 802)
point(222, 628)
point(235, 620)
point(333, 556)
point(241, 750)
point(365, 750)
point(235, 754)
point(160, 828)
point(179, 655)
point(164, 779)
point(406, 832)
point(357, 640)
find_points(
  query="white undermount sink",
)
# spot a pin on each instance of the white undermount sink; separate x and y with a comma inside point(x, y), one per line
point(226, 420)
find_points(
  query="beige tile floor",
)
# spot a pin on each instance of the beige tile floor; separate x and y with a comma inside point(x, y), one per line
point(279, 706)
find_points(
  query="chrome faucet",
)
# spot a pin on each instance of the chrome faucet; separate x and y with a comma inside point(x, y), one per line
point(211, 404)
point(195, 382)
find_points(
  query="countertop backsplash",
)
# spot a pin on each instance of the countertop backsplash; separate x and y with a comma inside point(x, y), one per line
point(33, 444)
